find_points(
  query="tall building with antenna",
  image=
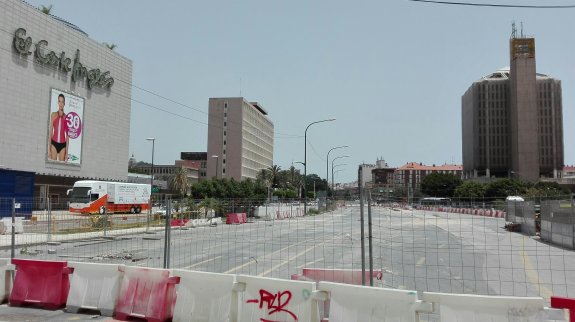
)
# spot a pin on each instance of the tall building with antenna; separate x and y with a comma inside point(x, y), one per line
point(512, 120)
point(240, 139)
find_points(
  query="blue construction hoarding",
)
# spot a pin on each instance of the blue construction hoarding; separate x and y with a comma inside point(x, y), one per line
point(16, 191)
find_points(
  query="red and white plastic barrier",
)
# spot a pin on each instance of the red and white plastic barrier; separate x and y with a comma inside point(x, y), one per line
point(150, 294)
point(42, 283)
point(147, 293)
point(468, 211)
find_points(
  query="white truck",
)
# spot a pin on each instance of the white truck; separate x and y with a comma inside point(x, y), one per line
point(89, 196)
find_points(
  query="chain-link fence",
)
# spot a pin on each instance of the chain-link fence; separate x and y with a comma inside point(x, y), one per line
point(420, 249)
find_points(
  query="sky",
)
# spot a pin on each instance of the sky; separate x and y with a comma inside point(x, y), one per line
point(390, 72)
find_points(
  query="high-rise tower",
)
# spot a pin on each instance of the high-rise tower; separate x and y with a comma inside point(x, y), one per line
point(512, 120)
point(524, 144)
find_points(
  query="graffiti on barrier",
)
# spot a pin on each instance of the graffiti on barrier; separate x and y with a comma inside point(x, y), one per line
point(275, 303)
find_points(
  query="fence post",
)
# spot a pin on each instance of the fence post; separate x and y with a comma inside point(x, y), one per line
point(361, 198)
point(104, 216)
point(13, 242)
point(167, 233)
point(49, 219)
point(369, 236)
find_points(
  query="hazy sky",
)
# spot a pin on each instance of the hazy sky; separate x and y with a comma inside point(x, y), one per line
point(392, 72)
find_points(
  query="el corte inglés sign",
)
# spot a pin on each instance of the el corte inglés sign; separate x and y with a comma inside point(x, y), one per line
point(94, 77)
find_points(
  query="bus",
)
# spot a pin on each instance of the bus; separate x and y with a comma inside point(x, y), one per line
point(435, 202)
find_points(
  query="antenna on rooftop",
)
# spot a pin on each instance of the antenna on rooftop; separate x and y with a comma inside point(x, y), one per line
point(240, 87)
point(522, 29)
point(513, 30)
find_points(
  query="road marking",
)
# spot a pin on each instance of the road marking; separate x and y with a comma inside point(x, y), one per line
point(420, 261)
point(533, 277)
point(251, 261)
point(200, 263)
point(309, 263)
point(288, 260)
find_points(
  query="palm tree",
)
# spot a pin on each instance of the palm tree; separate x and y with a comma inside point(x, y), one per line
point(274, 172)
point(263, 178)
point(210, 203)
point(180, 181)
point(110, 46)
point(296, 179)
point(45, 9)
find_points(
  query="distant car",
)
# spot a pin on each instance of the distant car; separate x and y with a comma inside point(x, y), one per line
point(161, 212)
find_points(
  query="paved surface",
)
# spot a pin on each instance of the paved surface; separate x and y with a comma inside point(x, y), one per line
point(425, 251)
point(8, 313)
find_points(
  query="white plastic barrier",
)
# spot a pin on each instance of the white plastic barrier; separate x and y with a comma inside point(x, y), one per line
point(204, 296)
point(94, 287)
point(5, 279)
point(354, 303)
point(18, 225)
point(270, 299)
point(204, 222)
point(466, 308)
point(280, 211)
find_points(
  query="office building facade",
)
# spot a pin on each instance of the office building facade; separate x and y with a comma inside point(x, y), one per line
point(202, 158)
point(240, 139)
point(512, 121)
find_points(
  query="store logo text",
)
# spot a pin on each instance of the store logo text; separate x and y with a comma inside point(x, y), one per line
point(94, 77)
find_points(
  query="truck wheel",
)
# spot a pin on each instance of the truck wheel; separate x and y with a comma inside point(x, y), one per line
point(138, 210)
point(133, 210)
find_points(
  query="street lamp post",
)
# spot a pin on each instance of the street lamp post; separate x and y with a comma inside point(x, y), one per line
point(217, 157)
point(327, 165)
point(151, 182)
point(332, 173)
point(340, 157)
point(305, 163)
point(300, 184)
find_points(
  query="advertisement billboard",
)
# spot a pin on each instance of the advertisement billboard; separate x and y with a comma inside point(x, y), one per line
point(65, 127)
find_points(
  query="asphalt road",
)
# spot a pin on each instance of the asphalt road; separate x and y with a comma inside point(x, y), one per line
point(417, 250)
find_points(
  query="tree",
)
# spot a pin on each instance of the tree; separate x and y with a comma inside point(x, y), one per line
point(547, 190)
point(274, 175)
point(314, 180)
point(180, 181)
point(440, 184)
point(506, 187)
point(210, 203)
point(47, 10)
point(470, 190)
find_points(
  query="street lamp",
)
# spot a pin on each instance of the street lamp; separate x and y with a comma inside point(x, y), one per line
point(327, 164)
point(217, 157)
point(300, 184)
point(151, 182)
point(341, 157)
point(305, 163)
point(332, 173)
point(333, 176)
